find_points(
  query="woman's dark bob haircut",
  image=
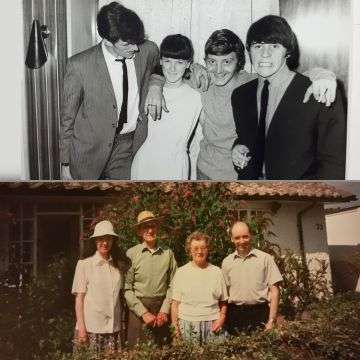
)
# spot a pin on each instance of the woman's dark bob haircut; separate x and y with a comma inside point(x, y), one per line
point(115, 22)
point(177, 47)
point(272, 29)
point(223, 42)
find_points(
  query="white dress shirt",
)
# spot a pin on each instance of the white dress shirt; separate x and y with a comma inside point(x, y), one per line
point(116, 76)
point(101, 282)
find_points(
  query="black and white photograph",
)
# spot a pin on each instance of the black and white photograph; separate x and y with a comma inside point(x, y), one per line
point(184, 90)
point(180, 179)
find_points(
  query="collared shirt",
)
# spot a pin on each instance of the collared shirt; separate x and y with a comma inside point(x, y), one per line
point(249, 278)
point(116, 76)
point(278, 83)
point(150, 275)
point(101, 282)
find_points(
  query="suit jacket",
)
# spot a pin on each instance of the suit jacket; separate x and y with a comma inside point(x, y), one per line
point(89, 114)
point(304, 141)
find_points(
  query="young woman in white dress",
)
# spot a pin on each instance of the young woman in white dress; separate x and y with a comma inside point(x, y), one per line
point(166, 152)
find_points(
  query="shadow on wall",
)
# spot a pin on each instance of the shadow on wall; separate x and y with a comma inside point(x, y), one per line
point(345, 266)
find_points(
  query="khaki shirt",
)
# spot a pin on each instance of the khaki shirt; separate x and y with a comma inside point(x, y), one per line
point(101, 282)
point(250, 278)
point(150, 275)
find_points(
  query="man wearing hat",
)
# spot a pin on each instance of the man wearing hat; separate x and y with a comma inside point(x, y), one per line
point(147, 284)
point(98, 281)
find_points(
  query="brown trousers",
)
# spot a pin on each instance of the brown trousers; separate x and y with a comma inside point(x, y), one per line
point(138, 331)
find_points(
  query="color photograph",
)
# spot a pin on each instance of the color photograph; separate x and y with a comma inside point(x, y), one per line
point(206, 270)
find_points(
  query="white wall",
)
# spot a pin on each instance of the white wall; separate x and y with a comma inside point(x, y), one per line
point(343, 228)
point(81, 25)
point(13, 132)
point(353, 145)
point(314, 232)
point(197, 19)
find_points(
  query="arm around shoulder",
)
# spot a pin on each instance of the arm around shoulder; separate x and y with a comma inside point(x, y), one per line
point(331, 146)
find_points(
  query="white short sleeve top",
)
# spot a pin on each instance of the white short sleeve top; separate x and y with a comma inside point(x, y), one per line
point(101, 282)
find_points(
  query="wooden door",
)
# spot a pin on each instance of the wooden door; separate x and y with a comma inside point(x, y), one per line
point(43, 88)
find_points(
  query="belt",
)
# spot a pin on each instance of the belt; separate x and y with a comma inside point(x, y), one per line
point(249, 306)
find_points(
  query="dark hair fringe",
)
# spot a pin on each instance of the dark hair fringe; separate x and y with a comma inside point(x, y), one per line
point(223, 42)
point(115, 22)
point(177, 46)
point(272, 29)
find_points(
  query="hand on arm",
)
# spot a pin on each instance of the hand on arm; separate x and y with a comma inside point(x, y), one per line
point(199, 78)
point(274, 304)
point(79, 311)
point(155, 102)
point(323, 86)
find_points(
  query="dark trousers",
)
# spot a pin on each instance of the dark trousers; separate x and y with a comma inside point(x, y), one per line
point(118, 166)
point(246, 318)
point(139, 332)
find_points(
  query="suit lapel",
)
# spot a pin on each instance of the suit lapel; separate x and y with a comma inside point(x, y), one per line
point(104, 72)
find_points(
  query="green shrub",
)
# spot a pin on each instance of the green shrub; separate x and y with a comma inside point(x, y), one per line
point(38, 318)
point(331, 331)
point(187, 207)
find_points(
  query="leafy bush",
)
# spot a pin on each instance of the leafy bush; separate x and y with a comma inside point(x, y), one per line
point(331, 332)
point(207, 207)
point(38, 318)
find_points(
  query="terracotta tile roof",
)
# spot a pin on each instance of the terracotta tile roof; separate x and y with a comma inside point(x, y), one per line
point(260, 190)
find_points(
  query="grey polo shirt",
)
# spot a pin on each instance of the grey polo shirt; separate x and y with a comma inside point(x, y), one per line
point(249, 278)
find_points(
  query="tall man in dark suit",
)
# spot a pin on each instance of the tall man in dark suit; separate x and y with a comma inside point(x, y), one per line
point(103, 122)
point(279, 136)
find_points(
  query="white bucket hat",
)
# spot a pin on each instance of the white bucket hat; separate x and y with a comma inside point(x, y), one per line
point(102, 228)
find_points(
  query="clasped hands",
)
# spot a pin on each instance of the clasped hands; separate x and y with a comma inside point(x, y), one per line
point(155, 320)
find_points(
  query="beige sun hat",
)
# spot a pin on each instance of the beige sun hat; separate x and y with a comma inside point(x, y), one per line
point(146, 216)
point(102, 228)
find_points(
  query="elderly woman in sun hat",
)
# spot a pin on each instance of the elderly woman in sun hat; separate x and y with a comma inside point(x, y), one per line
point(147, 284)
point(98, 281)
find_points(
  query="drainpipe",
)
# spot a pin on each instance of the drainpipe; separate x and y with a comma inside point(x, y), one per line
point(299, 216)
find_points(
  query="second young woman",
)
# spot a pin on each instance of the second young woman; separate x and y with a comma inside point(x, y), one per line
point(165, 154)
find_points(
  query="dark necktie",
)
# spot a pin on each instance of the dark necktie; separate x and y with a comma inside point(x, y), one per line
point(123, 111)
point(262, 123)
